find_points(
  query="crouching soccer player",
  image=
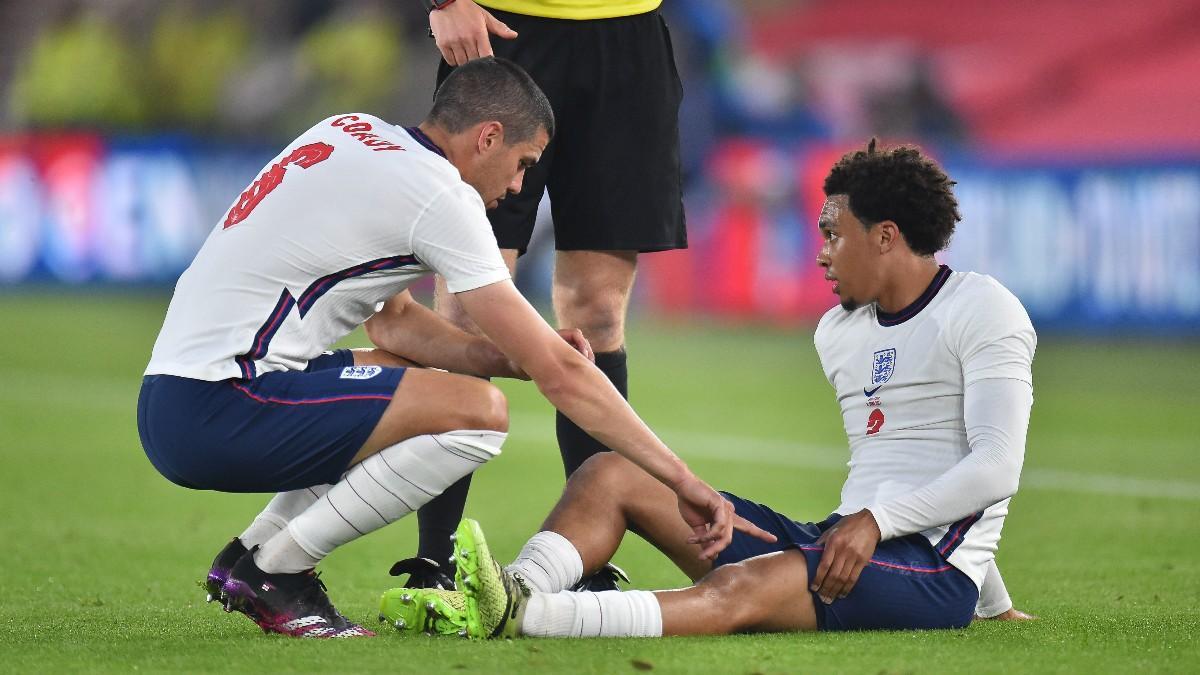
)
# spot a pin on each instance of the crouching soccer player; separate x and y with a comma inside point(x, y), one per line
point(241, 396)
point(932, 369)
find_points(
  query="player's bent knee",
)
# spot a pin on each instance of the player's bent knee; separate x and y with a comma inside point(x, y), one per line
point(731, 589)
point(493, 412)
point(602, 323)
point(481, 406)
point(431, 401)
point(599, 312)
point(604, 468)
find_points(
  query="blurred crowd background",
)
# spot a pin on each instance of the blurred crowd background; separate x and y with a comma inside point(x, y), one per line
point(127, 127)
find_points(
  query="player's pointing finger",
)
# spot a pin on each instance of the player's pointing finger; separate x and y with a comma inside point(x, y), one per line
point(742, 525)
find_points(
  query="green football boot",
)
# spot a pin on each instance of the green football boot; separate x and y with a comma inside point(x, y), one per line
point(496, 599)
point(431, 611)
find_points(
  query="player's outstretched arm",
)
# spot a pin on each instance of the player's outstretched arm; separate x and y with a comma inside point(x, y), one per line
point(996, 412)
point(409, 329)
point(461, 31)
point(581, 392)
point(567, 379)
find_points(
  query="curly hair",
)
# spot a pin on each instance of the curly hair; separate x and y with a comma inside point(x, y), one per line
point(903, 186)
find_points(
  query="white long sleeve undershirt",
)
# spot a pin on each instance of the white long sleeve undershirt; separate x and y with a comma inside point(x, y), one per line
point(993, 595)
point(996, 414)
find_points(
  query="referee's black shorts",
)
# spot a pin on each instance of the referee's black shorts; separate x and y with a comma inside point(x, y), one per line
point(612, 168)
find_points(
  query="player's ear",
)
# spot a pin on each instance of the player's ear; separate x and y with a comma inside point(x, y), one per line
point(491, 135)
point(888, 234)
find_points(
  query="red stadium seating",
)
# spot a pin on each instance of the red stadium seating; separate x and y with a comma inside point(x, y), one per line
point(1105, 75)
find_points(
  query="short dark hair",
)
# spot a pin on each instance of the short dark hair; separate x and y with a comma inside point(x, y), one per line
point(489, 89)
point(901, 185)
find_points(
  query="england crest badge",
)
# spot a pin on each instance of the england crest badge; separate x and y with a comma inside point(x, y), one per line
point(883, 365)
point(360, 372)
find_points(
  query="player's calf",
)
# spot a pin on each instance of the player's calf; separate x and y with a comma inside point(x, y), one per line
point(608, 496)
point(381, 489)
point(768, 593)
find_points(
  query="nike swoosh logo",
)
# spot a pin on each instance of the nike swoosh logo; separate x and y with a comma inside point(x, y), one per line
point(871, 393)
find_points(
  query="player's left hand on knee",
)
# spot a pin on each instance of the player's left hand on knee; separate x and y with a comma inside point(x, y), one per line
point(849, 545)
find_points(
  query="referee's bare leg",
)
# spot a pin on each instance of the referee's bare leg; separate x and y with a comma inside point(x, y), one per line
point(591, 292)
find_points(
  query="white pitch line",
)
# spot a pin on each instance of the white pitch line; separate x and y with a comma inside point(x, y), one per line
point(114, 395)
point(1109, 485)
point(791, 454)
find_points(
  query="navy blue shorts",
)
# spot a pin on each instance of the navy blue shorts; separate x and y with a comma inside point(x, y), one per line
point(907, 585)
point(280, 431)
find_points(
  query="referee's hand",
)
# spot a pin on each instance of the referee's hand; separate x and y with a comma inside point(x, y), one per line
point(461, 30)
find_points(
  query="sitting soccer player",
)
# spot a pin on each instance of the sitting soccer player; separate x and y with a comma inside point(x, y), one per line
point(240, 395)
point(932, 369)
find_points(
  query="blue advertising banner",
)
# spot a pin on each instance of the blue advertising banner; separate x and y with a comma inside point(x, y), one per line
point(78, 209)
point(1113, 247)
point(1104, 247)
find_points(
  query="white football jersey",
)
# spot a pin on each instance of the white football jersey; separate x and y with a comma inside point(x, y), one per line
point(348, 215)
point(900, 382)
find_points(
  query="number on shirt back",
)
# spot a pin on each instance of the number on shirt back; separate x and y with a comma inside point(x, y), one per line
point(304, 157)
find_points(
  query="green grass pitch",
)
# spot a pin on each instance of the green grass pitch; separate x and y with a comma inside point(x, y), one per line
point(101, 555)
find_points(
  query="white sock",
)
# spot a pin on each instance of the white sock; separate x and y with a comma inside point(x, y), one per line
point(279, 511)
point(282, 553)
point(381, 489)
point(604, 614)
point(549, 562)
